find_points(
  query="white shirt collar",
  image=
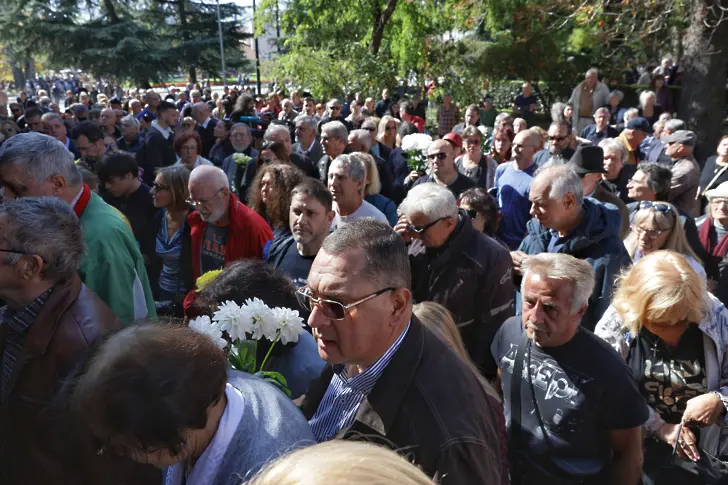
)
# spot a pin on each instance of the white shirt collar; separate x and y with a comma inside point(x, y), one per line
point(166, 132)
point(78, 196)
point(206, 122)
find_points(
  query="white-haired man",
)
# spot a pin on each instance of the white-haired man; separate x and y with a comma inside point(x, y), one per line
point(346, 183)
point(573, 409)
point(222, 229)
point(565, 222)
point(588, 96)
point(455, 265)
point(33, 165)
point(205, 126)
point(600, 129)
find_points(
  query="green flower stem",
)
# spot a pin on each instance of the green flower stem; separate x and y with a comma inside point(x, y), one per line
point(278, 337)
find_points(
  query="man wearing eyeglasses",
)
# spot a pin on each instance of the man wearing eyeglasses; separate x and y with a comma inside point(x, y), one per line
point(222, 229)
point(441, 157)
point(50, 322)
point(389, 380)
point(457, 266)
point(558, 144)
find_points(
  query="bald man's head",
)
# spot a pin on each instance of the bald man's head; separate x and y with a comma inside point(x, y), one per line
point(210, 193)
point(441, 157)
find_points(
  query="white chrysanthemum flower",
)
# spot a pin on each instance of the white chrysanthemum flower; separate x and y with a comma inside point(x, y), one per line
point(416, 142)
point(264, 322)
point(204, 326)
point(289, 324)
point(233, 319)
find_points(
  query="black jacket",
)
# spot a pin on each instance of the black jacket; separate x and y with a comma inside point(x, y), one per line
point(208, 137)
point(471, 277)
point(428, 404)
point(156, 151)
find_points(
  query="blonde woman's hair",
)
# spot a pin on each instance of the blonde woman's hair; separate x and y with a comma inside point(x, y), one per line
point(372, 184)
point(439, 321)
point(341, 462)
point(661, 221)
point(661, 288)
point(383, 126)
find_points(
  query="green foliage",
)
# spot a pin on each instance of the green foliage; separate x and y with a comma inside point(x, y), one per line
point(138, 40)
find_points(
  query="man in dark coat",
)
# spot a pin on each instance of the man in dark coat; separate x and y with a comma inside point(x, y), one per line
point(565, 222)
point(461, 268)
point(205, 127)
point(157, 151)
point(390, 380)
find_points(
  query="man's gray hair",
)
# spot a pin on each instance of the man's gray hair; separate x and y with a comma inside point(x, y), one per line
point(308, 122)
point(659, 178)
point(41, 156)
point(592, 70)
point(563, 268)
point(613, 145)
point(45, 101)
point(356, 168)
point(675, 124)
point(431, 200)
point(274, 130)
point(46, 227)
point(201, 107)
point(335, 129)
point(363, 137)
point(557, 112)
point(130, 120)
point(617, 94)
point(562, 179)
point(386, 263)
point(51, 116)
point(633, 112)
point(604, 110)
point(240, 126)
point(195, 92)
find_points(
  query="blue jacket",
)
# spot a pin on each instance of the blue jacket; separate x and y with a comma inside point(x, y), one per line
point(385, 206)
point(595, 240)
point(270, 427)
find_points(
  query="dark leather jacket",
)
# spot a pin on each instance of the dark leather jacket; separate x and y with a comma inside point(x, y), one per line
point(429, 405)
point(39, 442)
point(470, 276)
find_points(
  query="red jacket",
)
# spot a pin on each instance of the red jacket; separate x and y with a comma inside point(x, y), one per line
point(246, 238)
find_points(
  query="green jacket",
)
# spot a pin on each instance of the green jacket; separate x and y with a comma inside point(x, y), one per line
point(113, 267)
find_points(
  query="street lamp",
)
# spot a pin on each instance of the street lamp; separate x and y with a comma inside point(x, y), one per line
point(222, 49)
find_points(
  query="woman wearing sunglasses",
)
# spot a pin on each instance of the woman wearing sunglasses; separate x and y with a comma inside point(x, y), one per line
point(655, 226)
point(170, 274)
point(673, 334)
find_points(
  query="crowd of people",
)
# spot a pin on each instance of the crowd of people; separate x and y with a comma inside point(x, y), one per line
point(533, 305)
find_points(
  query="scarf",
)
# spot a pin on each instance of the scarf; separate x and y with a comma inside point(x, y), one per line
point(205, 470)
point(706, 231)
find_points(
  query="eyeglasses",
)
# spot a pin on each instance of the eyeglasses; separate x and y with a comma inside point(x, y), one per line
point(650, 233)
point(158, 186)
point(198, 203)
point(520, 146)
point(718, 200)
point(557, 138)
point(420, 230)
point(22, 253)
point(439, 155)
point(332, 309)
point(658, 206)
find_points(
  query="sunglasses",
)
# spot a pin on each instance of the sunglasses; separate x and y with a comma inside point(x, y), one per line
point(658, 206)
point(557, 138)
point(335, 108)
point(158, 186)
point(420, 230)
point(440, 156)
point(372, 130)
point(332, 309)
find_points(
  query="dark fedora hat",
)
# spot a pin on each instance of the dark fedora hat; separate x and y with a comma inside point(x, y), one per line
point(588, 159)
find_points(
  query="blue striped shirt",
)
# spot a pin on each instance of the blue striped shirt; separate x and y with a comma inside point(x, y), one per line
point(343, 397)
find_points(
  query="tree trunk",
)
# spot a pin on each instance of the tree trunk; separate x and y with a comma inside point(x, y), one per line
point(111, 11)
point(18, 76)
point(380, 22)
point(705, 61)
point(182, 14)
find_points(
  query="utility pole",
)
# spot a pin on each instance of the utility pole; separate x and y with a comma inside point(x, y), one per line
point(222, 49)
point(257, 55)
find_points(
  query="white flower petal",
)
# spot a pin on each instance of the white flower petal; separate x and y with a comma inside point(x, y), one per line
point(204, 326)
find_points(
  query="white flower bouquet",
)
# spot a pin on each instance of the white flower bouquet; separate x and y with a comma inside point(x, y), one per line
point(415, 149)
point(238, 329)
point(241, 159)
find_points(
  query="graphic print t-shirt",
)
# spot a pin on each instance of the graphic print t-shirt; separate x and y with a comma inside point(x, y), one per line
point(212, 255)
point(669, 377)
point(583, 389)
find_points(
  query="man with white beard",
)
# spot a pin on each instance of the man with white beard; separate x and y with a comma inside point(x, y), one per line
point(222, 229)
